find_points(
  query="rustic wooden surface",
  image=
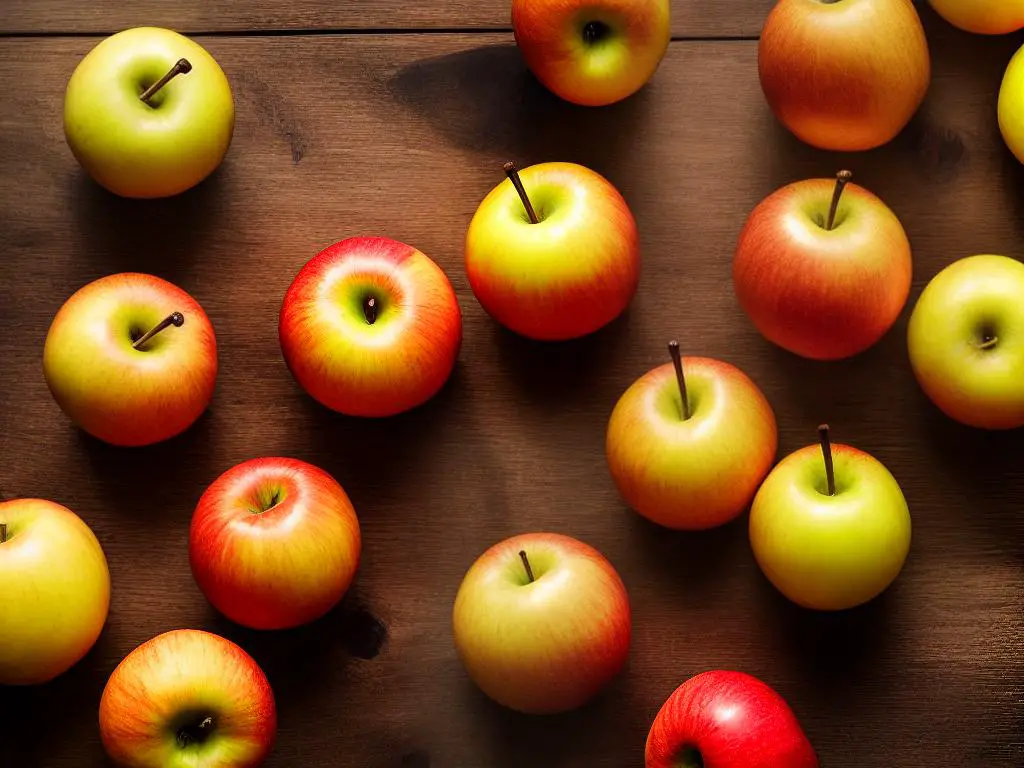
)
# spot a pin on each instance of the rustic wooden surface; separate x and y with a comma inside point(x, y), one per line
point(403, 136)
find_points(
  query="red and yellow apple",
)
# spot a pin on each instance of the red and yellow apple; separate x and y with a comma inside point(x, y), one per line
point(132, 359)
point(371, 327)
point(274, 543)
point(542, 622)
point(986, 17)
point(188, 699)
point(692, 468)
point(567, 275)
point(844, 75)
point(822, 268)
point(592, 52)
point(55, 593)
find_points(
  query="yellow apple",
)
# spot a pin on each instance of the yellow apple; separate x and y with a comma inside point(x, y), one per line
point(1010, 108)
point(986, 17)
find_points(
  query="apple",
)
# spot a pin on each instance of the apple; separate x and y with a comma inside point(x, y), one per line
point(542, 623)
point(844, 75)
point(697, 466)
point(371, 327)
point(986, 17)
point(148, 113)
point(830, 527)
point(188, 699)
point(592, 52)
point(132, 359)
point(56, 590)
point(726, 719)
point(553, 254)
point(965, 341)
point(1010, 107)
point(274, 543)
point(823, 269)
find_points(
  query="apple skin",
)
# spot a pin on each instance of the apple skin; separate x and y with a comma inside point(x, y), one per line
point(830, 553)
point(344, 362)
point(119, 394)
point(984, 17)
point(56, 592)
point(731, 720)
point(547, 646)
point(844, 76)
point(1010, 106)
point(176, 680)
point(971, 299)
point(281, 567)
point(142, 151)
point(818, 293)
point(565, 277)
point(633, 40)
point(701, 472)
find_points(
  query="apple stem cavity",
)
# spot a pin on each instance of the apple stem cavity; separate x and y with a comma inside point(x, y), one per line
point(175, 318)
point(826, 452)
point(842, 179)
point(677, 362)
point(513, 176)
point(526, 565)
point(370, 310)
point(3, 532)
point(181, 67)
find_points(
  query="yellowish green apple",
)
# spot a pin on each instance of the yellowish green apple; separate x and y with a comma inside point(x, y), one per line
point(1010, 107)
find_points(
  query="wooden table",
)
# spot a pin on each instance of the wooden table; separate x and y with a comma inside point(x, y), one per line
point(344, 128)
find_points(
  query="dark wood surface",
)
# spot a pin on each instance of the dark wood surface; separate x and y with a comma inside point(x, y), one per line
point(403, 136)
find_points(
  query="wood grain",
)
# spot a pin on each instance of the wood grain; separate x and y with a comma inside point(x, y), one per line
point(403, 136)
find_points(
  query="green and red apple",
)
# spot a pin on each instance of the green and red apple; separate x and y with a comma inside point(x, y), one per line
point(148, 113)
point(985, 17)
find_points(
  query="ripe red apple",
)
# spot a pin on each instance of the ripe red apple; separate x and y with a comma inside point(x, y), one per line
point(188, 699)
point(695, 467)
point(724, 719)
point(371, 327)
point(274, 543)
point(542, 622)
point(131, 359)
point(822, 268)
point(553, 253)
point(844, 75)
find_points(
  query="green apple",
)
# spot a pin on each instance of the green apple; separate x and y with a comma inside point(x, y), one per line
point(966, 341)
point(830, 527)
point(148, 113)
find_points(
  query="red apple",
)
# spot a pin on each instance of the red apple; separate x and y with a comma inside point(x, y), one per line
point(188, 699)
point(371, 327)
point(722, 719)
point(132, 359)
point(274, 543)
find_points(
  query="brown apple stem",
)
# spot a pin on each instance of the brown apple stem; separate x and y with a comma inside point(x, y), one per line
point(677, 362)
point(370, 310)
point(3, 532)
point(988, 342)
point(842, 179)
point(181, 67)
point(175, 318)
point(513, 175)
point(826, 452)
point(526, 565)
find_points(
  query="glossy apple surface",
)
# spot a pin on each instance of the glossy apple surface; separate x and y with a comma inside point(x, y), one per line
point(726, 719)
point(592, 52)
point(547, 645)
point(119, 394)
point(154, 148)
point(985, 17)
point(366, 359)
point(966, 341)
point(568, 275)
point(1010, 106)
point(697, 472)
point(274, 543)
point(822, 293)
point(845, 75)
point(56, 590)
point(188, 699)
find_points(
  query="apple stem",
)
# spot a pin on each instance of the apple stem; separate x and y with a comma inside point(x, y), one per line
point(175, 318)
point(181, 67)
point(370, 310)
point(513, 176)
point(842, 179)
point(3, 532)
point(988, 342)
point(826, 452)
point(677, 362)
point(526, 565)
